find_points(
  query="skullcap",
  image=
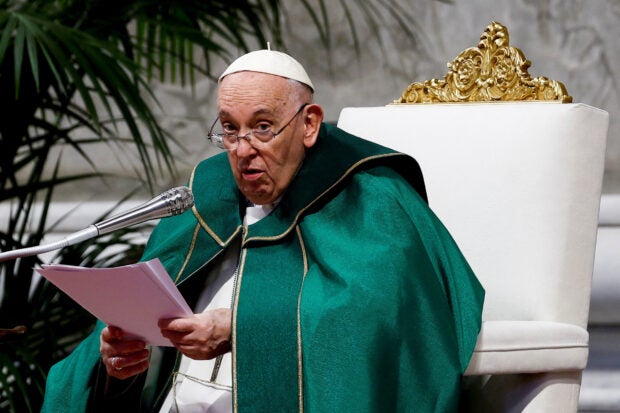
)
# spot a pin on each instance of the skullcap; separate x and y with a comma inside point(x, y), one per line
point(271, 62)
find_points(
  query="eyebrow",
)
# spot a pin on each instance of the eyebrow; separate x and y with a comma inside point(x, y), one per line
point(262, 111)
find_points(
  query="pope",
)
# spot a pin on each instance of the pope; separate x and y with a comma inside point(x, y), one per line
point(320, 279)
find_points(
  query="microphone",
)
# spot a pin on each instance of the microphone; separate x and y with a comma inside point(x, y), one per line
point(171, 202)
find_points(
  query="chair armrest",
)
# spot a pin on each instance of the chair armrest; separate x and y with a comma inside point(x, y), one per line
point(506, 347)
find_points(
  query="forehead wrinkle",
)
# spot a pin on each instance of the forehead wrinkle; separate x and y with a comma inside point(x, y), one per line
point(267, 92)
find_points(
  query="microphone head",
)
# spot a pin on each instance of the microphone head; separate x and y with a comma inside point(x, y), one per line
point(178, 200)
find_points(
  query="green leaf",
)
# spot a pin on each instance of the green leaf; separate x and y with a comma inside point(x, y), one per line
point(7, 34)
point(18, 57)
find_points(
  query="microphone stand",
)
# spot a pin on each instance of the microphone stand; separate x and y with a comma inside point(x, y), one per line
point(172, 202)
point(87, 233)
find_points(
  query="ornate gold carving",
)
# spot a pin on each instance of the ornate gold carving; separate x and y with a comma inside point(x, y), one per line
point(493, 71)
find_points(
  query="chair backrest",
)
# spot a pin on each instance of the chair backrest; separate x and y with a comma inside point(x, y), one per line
point(517, 184)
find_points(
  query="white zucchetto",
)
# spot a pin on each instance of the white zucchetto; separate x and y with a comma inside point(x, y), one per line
point(270, 62)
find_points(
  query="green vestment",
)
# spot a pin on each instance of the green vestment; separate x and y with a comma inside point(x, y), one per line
point(351, 295)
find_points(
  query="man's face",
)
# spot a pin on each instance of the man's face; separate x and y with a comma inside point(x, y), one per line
point(250, 100)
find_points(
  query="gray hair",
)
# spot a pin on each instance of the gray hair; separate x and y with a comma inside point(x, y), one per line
point(300, 92)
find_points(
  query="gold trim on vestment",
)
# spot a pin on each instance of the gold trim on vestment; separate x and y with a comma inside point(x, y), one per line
point(491, 72)
point(189, 253)
point(311, 203)
point(233, 349)
point(216, 367)
point(202, 221)
point(206, 227)
point(300, 371)
point(213, 235)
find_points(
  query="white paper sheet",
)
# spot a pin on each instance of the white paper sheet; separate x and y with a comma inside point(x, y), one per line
point(133, 297)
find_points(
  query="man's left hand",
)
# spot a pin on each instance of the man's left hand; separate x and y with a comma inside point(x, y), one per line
point(202, 336)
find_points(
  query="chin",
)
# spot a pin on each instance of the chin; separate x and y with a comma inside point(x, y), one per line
point(260, 199)
point(255, 198)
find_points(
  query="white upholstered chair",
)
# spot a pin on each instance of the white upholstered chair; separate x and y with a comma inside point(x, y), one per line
point(518, 185)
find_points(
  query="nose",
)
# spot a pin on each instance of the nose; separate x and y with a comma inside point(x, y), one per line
point(244, 148)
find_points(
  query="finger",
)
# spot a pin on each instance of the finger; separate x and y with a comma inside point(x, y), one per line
point(129, 347)
point(175, 336)
point(164, 322)
point(177, 324)
point(191, 352)
point(124, 361)
point(111, 333)
point(116, 348)
point(128, 371)
point(132, 350)
point(114, 334)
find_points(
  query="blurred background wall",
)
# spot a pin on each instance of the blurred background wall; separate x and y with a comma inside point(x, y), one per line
point(572, 41)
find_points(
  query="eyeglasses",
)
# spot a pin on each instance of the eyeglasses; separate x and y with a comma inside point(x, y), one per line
point(258, 137)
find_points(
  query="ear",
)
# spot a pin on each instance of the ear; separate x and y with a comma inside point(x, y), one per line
point(313, 116)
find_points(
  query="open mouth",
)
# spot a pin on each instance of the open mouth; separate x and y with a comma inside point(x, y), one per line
point(251, 174)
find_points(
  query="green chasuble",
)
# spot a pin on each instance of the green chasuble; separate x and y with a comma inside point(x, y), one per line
point(351, 295)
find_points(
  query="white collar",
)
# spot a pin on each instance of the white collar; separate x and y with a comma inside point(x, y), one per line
point(255, 213)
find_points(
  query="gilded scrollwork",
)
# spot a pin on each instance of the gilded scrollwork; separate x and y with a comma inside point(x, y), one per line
point(492, 71)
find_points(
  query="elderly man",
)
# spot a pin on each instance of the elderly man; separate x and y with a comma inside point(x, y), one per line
point(320, 279)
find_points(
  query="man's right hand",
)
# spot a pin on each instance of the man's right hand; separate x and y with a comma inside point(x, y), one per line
point(122, 356)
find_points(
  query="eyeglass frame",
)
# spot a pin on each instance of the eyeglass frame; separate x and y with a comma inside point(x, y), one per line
point(249, 135)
